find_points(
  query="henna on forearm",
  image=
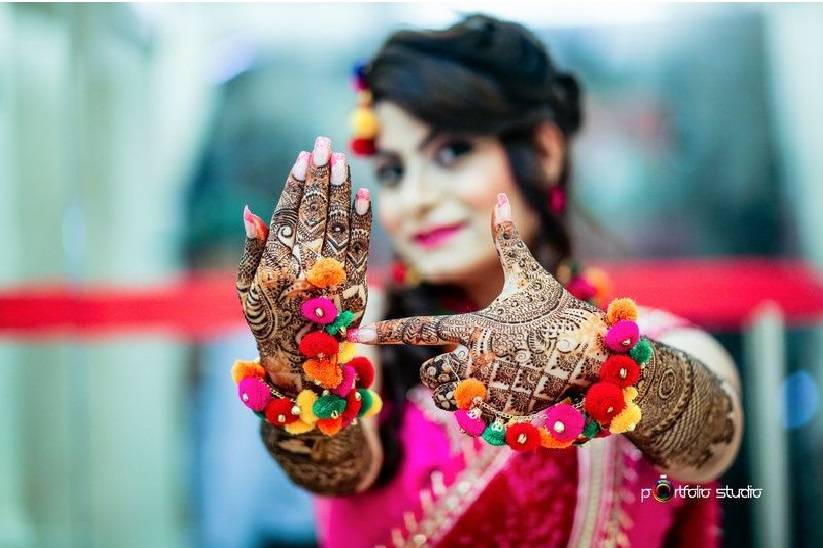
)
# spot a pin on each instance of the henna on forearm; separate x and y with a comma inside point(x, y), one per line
point(325, 465)
point(687, 411)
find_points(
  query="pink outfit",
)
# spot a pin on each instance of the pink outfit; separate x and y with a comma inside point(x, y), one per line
point(453, 490)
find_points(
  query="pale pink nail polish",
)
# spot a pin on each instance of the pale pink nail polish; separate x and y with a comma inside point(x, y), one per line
point(503, 210)
point(338, 168)
point(248, 223)
point(322, 151)
point(361, 201)
point(365, 335)
point(300, 166)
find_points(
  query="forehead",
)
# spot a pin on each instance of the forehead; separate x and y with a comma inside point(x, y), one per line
point(399, 131)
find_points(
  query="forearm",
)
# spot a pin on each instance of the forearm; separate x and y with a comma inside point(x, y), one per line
point(692, 422)
point(335, 465)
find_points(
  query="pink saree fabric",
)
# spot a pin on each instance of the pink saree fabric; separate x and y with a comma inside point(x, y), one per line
point(452, 490)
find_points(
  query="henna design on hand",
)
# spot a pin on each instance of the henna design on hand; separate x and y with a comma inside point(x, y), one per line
point(687, 411)
point(314, 217)
point(530, 346)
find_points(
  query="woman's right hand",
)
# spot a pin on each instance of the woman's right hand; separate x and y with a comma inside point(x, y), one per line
point(314, 218)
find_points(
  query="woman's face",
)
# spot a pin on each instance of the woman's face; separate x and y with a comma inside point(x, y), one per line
point(437, 195)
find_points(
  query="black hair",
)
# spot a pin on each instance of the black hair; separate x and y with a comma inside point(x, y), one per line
point(482, 76)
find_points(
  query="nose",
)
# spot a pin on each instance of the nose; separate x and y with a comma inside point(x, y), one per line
point(419, 194)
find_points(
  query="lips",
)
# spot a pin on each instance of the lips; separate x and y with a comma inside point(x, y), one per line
point(437, 235)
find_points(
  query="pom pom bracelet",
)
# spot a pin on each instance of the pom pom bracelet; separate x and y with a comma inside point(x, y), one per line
point(342, 379)
point(606, 407)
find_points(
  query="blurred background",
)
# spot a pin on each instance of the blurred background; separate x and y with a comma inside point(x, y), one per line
point(131, 136)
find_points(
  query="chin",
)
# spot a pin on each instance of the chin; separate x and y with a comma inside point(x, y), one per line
point(449, 270)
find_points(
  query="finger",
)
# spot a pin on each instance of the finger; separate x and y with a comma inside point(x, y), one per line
point(256, 234)
point(515, 256)
point(357, 252)
point(418, 330)
point(314, 207)
point(283, 226)
point(337, 225)
point(443, 396)
point(444, 368)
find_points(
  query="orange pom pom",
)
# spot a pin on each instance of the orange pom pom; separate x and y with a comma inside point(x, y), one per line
point(324, 371)
point(326, 272)
point(467, 390)
point(243, 369)
point(550, 442)
point(330, 427)
point(621, 309)
point(601, 282)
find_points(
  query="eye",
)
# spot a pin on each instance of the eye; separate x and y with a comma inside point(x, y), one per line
point(389, 173)
point(448, 154)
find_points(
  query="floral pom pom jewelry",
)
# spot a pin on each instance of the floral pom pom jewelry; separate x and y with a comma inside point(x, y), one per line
point(607, 407)
point(343, 378)
point(364, 122)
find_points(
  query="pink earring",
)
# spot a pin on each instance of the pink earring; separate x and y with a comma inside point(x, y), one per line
point(557, 200)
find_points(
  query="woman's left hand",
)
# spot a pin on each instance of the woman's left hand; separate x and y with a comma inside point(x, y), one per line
point(529, 346)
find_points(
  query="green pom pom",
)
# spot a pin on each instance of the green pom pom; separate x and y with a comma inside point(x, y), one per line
point(591, 429)
point(342, 321)
point(260, 414)
point(642, 351)
point(494, 435)
point(328, 406)
point(366, 399)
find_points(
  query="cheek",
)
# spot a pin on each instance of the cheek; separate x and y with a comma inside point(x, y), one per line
point(388, 212)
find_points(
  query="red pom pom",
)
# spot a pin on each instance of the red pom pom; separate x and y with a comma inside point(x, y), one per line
point(604, 400)
point(353, 404)
point(620, 369)
point(362, 147)
point(523, 436)
point(279, 411)
point(364, 370)
point(318, 344)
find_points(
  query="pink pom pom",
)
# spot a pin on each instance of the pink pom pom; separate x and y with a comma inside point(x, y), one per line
point(581, 289)
point(622, 336)
point(473, 426)
point(319, 310)
point(564, 422)
point(347, 384)
point(254, 393)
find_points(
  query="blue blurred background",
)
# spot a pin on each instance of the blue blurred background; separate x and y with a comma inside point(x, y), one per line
point(131, 136)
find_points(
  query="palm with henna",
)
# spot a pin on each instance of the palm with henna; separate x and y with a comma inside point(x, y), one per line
point(314, 218)
point(530, 346)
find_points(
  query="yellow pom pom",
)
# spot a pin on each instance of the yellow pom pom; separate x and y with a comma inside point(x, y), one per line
point(364, 123)
point(550, 442)
point(467, 390)
point(621, 309)
point(326, 272)
point(243, 368)
point(629, 393)
point(345, 352)
point(305, 401)
point(626, 420)
point(298, 427)
point(376, 404)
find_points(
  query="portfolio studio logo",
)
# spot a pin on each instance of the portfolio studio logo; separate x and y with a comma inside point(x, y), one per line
point(665, 490)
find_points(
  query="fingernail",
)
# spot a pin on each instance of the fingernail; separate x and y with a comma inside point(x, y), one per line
point(503, 210)
point(322, 150)
point(363, 335)
point(300, 166)
point(338, 168)
point(248, 222)
point(361, 201)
